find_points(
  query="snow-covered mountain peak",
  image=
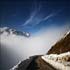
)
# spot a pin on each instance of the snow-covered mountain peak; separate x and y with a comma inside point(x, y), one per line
point(9, 31)
point(67, 33)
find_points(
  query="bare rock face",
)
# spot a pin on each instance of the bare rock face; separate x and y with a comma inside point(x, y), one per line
point(61, 46)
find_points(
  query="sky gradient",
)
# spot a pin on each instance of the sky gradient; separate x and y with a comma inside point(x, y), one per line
point(33, 15)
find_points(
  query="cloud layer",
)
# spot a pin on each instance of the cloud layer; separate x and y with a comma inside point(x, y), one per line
point(37, 44)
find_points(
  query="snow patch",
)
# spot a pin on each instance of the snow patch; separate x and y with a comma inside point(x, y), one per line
point(61, 61)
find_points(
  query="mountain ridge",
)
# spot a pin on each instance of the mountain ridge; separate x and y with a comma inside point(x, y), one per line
point(61, 46)
point(10, 31)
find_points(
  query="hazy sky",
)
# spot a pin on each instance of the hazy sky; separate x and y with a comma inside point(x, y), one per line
point(33, 15)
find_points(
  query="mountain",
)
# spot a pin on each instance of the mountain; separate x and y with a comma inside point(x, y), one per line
point(9, 31)
point(37, 63)
point(61, 46)
point(33, 63)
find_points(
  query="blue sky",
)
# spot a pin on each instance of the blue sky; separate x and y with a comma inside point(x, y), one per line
point(33, 15)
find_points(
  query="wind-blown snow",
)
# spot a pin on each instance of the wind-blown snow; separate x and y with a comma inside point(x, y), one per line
point(60, 62)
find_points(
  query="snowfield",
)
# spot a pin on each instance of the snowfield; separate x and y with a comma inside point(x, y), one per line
point(60, 62)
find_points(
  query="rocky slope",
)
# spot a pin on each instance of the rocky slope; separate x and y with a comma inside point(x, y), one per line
point(61, 46)
point(58, 61)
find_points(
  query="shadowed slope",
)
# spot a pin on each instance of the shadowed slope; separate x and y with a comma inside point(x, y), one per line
point(61, 46)
point(34, 63)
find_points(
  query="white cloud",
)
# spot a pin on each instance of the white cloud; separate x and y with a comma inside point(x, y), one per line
point(35, 20)
point(30, 19)
point(49, 16)
point(33, 16)
point(37, 44)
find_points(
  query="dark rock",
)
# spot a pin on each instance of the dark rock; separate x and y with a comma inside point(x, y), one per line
point(61, 46)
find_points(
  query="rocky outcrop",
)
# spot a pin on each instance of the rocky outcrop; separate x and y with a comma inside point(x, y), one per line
point(61, 46)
